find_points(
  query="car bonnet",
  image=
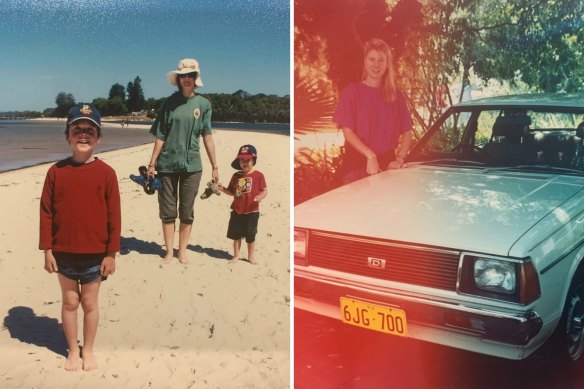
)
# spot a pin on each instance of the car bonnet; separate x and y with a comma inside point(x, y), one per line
point(467, 209)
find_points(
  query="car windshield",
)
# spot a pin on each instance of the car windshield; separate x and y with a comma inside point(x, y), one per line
point(519, 138)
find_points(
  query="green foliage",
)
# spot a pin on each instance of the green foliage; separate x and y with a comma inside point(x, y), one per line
point(539, 43)
point(136, 101)
point(151, 106)
point(243, 107)
point(236, 107)
point(117, 90)
point(111, 107)
point(20, 114)
point(64, 103)
point(316, 172)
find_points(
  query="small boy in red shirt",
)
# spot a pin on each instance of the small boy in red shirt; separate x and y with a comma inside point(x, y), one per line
point(80, 225)
point(248, 187)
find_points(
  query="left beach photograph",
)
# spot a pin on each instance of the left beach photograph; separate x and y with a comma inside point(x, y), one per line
point(145, 186)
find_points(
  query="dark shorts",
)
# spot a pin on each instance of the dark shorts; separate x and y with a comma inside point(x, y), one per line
point(83, 268)
point(243, 226)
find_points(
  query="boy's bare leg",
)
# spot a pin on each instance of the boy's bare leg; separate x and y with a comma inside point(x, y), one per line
point(250, 250)
point(89, 294)
point(184, 232)
point(71, 298)
point(236, 249)
point(168, 232)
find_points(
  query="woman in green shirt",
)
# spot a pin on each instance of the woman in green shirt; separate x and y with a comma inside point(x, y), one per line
point(182, 120)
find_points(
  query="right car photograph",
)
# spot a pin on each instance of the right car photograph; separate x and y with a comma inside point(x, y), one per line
point(476, 243)
point(438, 194)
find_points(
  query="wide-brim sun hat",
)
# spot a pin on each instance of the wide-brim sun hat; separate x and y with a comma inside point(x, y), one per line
point(187, 65)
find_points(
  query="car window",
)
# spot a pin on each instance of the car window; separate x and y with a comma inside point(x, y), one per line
point(550, 121)
point(449, 134)
point(485, 122)
point(505, 137)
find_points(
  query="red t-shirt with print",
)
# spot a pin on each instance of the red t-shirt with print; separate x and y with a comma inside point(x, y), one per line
point(245, 187)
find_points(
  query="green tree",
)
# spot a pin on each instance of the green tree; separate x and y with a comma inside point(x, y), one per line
point(64, 102)
point(152, 105)
point(110, 107)
point(117, 90)
point(538, 42)
point(244, 107)
point(136, 100)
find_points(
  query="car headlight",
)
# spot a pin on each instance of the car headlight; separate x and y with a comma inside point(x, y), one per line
point(300, 242)
point(495, 275)
point(507, 279)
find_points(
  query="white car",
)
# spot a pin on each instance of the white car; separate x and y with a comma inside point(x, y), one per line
point(477, 243)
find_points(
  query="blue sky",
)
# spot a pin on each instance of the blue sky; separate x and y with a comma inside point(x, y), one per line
point(83, 47)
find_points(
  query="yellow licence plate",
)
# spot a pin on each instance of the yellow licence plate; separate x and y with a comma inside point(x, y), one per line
point(373, 317)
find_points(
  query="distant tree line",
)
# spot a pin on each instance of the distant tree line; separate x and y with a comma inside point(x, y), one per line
point(121, 101)
point(20, 114)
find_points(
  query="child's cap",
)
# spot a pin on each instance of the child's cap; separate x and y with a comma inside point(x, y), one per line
point(245, 151)
point(84, 111)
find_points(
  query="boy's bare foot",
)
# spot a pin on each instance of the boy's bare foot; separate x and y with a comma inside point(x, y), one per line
point(73, 362)
point(233, 260)
point(167, 260)
point(89, 362)
point(252, 261)
point(182, 258)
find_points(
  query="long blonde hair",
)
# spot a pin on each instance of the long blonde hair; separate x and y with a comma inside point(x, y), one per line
point(388, 80)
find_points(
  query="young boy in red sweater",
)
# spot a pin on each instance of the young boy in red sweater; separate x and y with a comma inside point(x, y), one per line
point(80, 225)
point(248, 187)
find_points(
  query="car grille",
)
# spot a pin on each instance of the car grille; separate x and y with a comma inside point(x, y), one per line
point(418, 265)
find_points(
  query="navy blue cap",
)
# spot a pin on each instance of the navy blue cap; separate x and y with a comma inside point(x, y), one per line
point(84, 111)
point(245, 151)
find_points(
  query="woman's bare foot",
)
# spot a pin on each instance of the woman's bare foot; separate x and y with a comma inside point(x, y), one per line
point(233, 260)
point(182, 258)
point(168, 259)
point(89, 362)
point(73, 362)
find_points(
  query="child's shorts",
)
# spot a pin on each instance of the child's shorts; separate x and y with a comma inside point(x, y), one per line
point(243, 226)
point(82, 268)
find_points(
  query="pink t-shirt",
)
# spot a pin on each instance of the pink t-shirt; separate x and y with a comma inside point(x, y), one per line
point(377, 123)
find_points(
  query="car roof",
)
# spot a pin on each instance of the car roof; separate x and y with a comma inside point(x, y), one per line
point(530, 101)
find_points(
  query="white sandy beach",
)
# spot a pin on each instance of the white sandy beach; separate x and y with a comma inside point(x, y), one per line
point(204, 325)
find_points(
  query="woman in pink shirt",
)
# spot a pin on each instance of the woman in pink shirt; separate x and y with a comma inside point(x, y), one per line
point(373, 115)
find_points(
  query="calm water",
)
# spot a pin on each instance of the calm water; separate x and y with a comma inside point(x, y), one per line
point(31, 142)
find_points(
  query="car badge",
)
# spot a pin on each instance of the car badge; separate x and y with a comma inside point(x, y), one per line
point(376, 263)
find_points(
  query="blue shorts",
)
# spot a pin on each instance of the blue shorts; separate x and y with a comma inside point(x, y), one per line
point(83, 268)
point(243, 226)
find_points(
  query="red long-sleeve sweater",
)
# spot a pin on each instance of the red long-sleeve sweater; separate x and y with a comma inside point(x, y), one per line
point(80, 208)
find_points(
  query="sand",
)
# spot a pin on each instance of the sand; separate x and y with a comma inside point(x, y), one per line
point(208, 324)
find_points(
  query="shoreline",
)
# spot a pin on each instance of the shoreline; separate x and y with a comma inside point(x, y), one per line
point(135, 127)
point(109, 119)
point(207, 324)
